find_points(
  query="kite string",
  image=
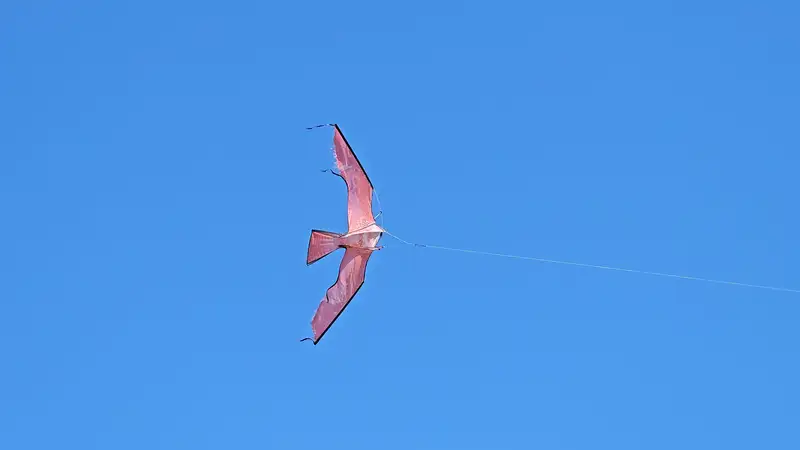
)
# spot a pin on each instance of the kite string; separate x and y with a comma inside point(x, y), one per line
point(380, 208)
point(593, 266)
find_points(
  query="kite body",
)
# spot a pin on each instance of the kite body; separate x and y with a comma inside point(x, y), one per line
point(359, 242)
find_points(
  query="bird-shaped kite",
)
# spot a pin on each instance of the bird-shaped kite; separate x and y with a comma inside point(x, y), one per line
point(359, 242)
point(363, 235)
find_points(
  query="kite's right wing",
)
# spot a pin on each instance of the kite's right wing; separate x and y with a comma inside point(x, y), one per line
point(359, 187)
point(351, 278)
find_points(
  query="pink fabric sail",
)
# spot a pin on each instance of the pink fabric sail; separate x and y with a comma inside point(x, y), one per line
point(359, 187)
point(360, 240)
point(351, 278)
point(321, 244)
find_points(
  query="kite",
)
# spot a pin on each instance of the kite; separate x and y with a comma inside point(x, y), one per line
point(363, 235)
point(361, 239)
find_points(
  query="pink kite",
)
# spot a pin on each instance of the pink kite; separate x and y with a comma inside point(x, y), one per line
point(359, 242)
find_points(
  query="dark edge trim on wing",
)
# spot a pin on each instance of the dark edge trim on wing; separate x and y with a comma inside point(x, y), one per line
point(354, 155)
point(347, 185)
point(346, 304)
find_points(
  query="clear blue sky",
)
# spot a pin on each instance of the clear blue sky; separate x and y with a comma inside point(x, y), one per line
point(158, 189)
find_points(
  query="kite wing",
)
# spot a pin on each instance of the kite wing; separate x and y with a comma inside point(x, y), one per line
point(359, 187)
point(338, 296)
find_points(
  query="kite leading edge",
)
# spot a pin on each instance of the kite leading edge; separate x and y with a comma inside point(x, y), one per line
point(361, 239)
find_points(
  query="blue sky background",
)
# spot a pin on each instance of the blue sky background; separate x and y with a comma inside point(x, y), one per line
point(158, 189)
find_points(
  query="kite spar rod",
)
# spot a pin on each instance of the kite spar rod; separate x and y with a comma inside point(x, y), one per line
point(595, 266)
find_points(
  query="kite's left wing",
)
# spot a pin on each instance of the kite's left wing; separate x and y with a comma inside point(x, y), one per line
point(359, 187)
point(351, 278)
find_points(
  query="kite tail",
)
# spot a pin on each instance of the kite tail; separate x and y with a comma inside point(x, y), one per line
point(321, 244)
point(308, 339)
